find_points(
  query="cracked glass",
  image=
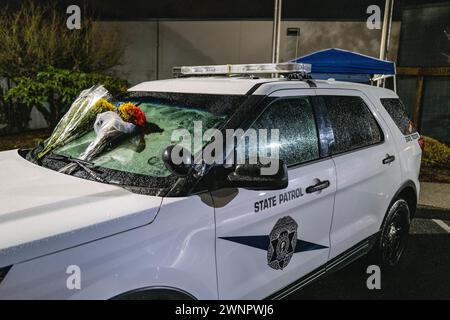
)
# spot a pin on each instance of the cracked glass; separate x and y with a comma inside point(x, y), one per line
point(398, 113)
point(352, 122)
point(140, 153)
point(294, 118)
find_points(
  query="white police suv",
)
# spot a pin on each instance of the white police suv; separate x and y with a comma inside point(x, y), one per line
point(133, 223)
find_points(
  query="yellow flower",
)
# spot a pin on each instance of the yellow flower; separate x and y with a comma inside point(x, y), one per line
point(102, 106)
point(125, 111)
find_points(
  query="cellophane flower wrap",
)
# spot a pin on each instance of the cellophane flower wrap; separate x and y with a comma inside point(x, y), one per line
point(108, 126)
point(78, 119)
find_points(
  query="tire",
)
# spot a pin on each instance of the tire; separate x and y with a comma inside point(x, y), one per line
point(394, 234)
point(154, 294)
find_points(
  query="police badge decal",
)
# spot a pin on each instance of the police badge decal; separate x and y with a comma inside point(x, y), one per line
point(283, 240)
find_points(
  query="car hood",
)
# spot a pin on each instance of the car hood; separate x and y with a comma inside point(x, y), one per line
point(43, 211)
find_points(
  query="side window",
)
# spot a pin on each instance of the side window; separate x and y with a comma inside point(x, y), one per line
point(294, 119)
point(352, 122)
point(398, 113)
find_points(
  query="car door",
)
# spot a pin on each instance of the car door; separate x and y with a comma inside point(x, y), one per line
point(367, 168)
point(267, 240)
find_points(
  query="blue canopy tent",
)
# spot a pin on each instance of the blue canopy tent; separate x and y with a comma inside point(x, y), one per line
point(345, 65)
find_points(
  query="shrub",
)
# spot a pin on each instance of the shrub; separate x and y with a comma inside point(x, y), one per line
point(435, 153)
point(13, 116)
point(35, 36)
point(52, 91)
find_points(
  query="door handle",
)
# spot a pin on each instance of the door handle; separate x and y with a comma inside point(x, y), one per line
point(318, 186)
point(388, 159)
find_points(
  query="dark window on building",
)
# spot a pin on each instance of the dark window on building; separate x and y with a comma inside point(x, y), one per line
point(294, 119)
point(398, 113)
point(436, 109)
point(352, 122)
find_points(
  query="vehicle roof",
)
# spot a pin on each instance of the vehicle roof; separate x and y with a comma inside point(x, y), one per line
point(246, 85)
point(205, 85)
point(378, 91)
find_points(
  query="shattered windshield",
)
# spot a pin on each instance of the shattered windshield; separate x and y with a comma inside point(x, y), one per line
point(130, 132)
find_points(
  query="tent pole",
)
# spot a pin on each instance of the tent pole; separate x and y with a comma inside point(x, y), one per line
point(385, 32)
point(276, 31)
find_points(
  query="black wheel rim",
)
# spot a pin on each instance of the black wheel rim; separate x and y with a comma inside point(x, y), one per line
point(395, 237)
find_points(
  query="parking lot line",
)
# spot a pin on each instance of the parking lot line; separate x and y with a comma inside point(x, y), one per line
point(442, 224)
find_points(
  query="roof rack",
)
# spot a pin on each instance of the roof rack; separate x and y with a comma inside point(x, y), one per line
point(243, 69)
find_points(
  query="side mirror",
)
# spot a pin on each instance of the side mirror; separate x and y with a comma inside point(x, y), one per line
point(249, 176)
point(178, 160)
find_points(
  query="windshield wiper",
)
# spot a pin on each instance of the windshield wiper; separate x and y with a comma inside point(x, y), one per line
point(87, 166)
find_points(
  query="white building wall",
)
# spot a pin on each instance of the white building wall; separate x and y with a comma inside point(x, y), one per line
point(220, 42)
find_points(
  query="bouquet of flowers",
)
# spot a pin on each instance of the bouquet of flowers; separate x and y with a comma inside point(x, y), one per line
point(108, 126)
point(131, 113)
point(78, 119)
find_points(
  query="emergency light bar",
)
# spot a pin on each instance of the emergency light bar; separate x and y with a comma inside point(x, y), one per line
point(231, 69)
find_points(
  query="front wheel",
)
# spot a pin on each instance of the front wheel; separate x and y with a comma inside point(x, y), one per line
point(394, 235)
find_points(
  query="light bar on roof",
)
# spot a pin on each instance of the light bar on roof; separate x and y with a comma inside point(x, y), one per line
point(270, 68)
point(229, 69)
point(218, 69)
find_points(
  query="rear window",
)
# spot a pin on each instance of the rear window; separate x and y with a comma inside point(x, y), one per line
point(352, 122)
point(398, 113)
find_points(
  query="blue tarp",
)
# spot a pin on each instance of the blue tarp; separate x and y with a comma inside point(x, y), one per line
point(338, 61)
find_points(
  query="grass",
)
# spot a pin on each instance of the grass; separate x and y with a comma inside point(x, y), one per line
point(436, 153)
point(435, 162)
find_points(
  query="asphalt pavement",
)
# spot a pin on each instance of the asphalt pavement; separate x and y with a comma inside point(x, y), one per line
point(424, 272)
